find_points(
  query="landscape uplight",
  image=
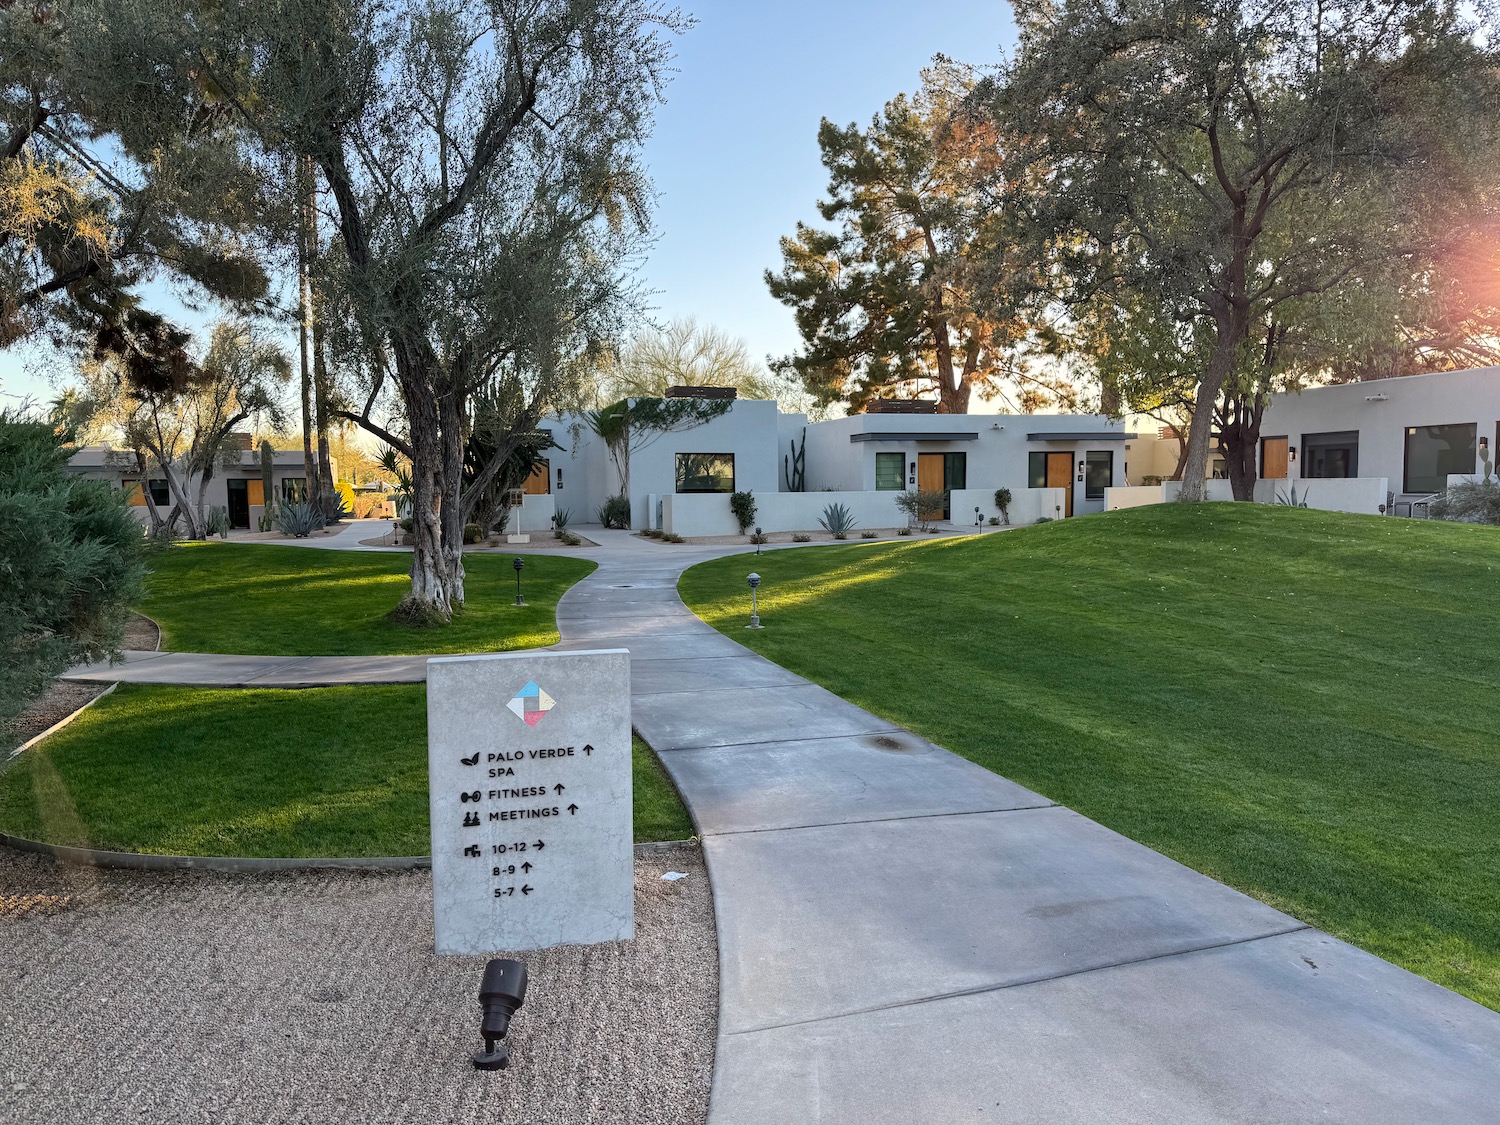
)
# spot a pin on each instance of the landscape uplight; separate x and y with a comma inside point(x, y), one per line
point(754, 583)
point(518, 564)
point(501, 993)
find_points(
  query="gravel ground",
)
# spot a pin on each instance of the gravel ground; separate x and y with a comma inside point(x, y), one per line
point(315, 997)
point(854, 536)
point(61, 699)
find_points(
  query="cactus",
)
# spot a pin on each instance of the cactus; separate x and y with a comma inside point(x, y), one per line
point(796, 465)
point(837, 520)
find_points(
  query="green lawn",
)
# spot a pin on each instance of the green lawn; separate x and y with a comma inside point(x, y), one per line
point(268, 600)
point(1303, 704)
point(190, 771)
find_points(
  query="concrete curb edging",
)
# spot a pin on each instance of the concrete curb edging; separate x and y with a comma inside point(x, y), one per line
point(249, 865)
point(57, 726)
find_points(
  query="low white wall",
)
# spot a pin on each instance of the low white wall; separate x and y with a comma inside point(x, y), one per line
point(694, 514)
point(1361, 495)
point(536, 514)
point(1212, 490)
point(1135, 496)
point(1027, 505)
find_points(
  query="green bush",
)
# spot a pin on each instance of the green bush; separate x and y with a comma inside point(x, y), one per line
point(1003, 499)
point(758, 537)
point(672, 537)
point(742, 504)
point(918, 504)
point(867, 535)
point(569, 539)
point(615, 513)
point(71, 563)
point(801, 538)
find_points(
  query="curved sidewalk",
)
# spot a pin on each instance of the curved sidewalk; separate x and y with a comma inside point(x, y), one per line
point(905, 937)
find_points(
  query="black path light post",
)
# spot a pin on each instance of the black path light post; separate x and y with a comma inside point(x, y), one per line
point(754, 581)
point(518, 564)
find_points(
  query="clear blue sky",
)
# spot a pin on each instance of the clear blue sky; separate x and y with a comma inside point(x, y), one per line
point(735, 156)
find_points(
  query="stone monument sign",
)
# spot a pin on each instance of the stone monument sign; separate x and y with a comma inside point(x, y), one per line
point(528, 758)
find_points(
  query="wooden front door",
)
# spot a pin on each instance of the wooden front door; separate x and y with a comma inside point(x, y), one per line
point(1060, 475)
point(1273, 458)
point(539, 483)
point(930, 479)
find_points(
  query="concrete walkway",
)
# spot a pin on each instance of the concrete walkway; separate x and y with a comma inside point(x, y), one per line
point(905, 937)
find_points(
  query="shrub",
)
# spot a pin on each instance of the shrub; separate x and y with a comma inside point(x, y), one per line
point(72, 557)
point(1152, 478)
point(920, 504)
point(1470, 502)
point(867, 535)
point(801, 538)
point(1003, 498)
point(216, 522)
point(995, 521)
point(742, 504)
point(404, 524)
point(1044, 519)
point(300, 519)
point(560, 521)
point(473, 533)
point(651, 532)
point(671, 537)
point(615, 513)
point(903, 531)
point(837, 520)
point(569, 539)
point(758, 537)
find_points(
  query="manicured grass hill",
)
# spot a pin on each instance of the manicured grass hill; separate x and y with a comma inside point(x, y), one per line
point(189, 771)
point(1305, 705)
point(269, 600)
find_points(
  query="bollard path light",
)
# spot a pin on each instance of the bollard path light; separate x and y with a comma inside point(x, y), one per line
point(518, 564)
point(754, 583)
point(978, 519)
point(501, 993)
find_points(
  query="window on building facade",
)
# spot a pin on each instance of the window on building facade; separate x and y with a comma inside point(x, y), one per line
point(161, 495)
point(705, 472)
point(1433, 453)
point(890, 471)
point(1099, 473)
point(1332, 455)
point(1036, 469)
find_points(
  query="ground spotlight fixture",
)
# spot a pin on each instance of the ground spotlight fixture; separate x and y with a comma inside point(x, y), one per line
point(518, 564)
point(501, 993)
point(754, 583)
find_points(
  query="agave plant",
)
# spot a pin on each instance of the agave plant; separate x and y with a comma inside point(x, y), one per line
point(299, 520)
point(837, 520)
point(1292, 501)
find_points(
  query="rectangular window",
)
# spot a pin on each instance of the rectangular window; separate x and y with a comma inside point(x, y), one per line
point(1329, 456)
point(161, 495)
point(1099, 474)
point(890, 468)
point(294, 489)
point(1036, 469)
point(1433, 453)
point(705, 472)
point(955, 471)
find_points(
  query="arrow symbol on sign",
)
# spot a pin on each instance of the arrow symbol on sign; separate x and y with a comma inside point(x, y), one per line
point(572, 810)
point(558, 788)
point(526, 867)
point(589, 750)
point(540, 845)
point(525, 890)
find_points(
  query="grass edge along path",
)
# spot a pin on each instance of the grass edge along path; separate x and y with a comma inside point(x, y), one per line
point(338, 771)
point(262, 599)
point(1304, 705)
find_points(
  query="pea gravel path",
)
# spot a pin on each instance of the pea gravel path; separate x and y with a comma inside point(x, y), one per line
point(315, 997)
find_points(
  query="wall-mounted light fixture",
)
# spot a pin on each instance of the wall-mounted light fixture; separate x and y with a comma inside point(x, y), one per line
point(1291, 454)
point(559, 480)
point(1080, 466)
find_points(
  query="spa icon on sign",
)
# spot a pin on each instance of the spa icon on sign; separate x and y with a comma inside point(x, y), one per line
point(531, 704)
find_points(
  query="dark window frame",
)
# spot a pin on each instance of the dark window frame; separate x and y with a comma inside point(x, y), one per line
point(900, 471)
point(1036, 468)
point(677, 475)
point(1311, 446)
point(161, 491)
point(1406, 437)
point(1093, 457)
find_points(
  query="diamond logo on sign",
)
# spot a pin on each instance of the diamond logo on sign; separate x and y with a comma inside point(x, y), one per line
point(531, 704)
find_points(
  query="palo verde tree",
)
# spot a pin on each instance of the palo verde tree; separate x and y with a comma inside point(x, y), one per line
point(481, 166)
point(885, 301)
point(1227, 158)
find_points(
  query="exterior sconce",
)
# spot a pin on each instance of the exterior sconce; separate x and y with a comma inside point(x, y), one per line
point(559, 480)
point(1080, 466)
point(1291, 454)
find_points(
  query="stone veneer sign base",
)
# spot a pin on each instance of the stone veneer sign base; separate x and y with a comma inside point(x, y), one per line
point(528, 758)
